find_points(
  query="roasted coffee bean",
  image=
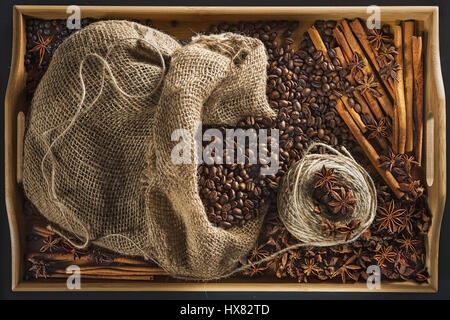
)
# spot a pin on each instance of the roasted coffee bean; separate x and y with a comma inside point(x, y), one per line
point(225, 224)
point(351, 102)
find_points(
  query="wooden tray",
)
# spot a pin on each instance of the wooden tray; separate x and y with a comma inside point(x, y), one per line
point(191, 20)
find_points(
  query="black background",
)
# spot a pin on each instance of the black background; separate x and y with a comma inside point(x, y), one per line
point(5, 251)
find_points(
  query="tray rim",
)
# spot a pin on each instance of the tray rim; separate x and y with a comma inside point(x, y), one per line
point(19, 11)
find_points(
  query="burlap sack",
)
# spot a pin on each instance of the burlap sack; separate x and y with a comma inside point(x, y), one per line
point(97, 155)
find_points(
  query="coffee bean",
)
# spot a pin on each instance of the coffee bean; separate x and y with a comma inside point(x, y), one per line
point(223, 199)
point(351, 102)
point(226, 207)
point(237, 211)
point(225, 224)
point(306, 92)
point(249, 204)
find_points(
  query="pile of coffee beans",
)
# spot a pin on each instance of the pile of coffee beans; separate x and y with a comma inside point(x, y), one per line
point(236, 193)
point(300, 83)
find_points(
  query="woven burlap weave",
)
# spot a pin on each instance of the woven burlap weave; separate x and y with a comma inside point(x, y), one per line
point(97, 154)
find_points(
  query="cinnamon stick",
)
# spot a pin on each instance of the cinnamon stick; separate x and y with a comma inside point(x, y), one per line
point(395, 131)
point(340, 57)
point(373, 104)
point(408, 33)
point(116, 271)
point(400, 92)
point(418, 95)
point(365, 109)
point(317, 42)
point(364, 106)
point(369, 100)
point(130, 261)
point(370, 152)
point(83, 260)
point(319, 45)
point(384, 100)
point(355, 115)
point(361, 34)
point(105, 277)
point(343, 44)
point(59, 257)
point(134, 269)
point(41, 231)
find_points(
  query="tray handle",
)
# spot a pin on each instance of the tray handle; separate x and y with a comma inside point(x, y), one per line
point(435, 133)
point(20, 141)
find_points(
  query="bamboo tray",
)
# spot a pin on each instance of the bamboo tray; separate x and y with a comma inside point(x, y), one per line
point(191, 20)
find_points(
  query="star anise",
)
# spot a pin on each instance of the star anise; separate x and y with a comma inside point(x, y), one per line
point(380, 129)
point(386, 55)
point(77, 253)
point(39, 268)
point(347, 270)
point(388, 162)
point(362, 257)
point(401, 264)
point(291, 269)
point(407, 220)
point(377, 38)
point(255, 270)
point(408, 244)
point(271, 242)
point(356, 65)
point(348, 229)
point(386, 254)
point(325, 178)
point(401, 174)
point(408, 162)
point(343, 201)
point(412, 188)
point(368, 84)
point(295, 255)
point(281, 265)
point(49, 244)
point(42, 46)
point(258, 253)
point(328, 228)
point(310, 267)
point(389, 218)
point(390, 71)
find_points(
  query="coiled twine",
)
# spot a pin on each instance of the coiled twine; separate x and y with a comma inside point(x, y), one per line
point(295, 201)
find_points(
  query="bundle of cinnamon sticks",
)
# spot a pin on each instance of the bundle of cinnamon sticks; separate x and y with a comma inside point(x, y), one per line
point(409, 90)
point(393, 76)
point(53, 263)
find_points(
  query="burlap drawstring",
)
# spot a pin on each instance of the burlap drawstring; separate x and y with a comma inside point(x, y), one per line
point(79, 111)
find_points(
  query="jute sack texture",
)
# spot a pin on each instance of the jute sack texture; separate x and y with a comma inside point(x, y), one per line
point(97, 155)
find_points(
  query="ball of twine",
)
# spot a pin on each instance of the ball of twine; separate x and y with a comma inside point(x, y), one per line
point(295, 201)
